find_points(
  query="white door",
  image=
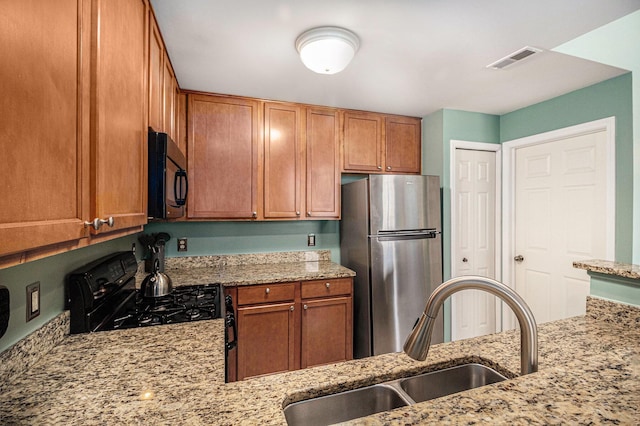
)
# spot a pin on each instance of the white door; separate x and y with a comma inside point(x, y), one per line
point(473, 312)
point(560, 216)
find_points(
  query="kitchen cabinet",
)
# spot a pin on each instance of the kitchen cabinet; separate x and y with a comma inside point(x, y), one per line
point(283, 160)
point(287, 326)
point(223, 157)
point(301, 162)
point(327, 322)
point(163, 85)
point(323, 164)
point(403, 144)
point(44, 138)
point(380, 143)
point(74, 124)
point(118, 170)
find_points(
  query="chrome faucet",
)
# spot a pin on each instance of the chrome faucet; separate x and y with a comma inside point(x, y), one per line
point(418, 342)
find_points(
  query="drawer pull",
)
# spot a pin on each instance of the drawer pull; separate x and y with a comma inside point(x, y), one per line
point(268, 290)
point(291, 308)
point(327, 285)
point(305, 307)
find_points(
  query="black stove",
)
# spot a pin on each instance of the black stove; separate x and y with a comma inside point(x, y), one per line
point(184, 304)
point(102, 296)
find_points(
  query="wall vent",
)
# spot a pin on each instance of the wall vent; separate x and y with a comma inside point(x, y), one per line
point(514, 57)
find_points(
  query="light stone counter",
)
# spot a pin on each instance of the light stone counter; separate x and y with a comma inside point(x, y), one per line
point(249, 269)
point(607, 267)
point(589, 374)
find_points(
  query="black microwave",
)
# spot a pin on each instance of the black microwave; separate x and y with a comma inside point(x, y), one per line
point(168, 182)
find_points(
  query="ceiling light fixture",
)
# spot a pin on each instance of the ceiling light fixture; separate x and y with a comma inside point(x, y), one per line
point(327, 50)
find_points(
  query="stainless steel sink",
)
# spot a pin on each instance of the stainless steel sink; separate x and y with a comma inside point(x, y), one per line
point(343, 406)
point(369, 400)
point(447, 382)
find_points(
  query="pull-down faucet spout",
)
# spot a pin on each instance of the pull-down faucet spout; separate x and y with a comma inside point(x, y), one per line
point(418, 342)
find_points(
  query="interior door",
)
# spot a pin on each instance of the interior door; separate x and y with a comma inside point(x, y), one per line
point(473, 312)
point(560, 217)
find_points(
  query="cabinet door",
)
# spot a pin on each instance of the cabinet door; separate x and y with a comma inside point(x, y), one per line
point(119, 95)
point(156, 75)
point(266, 339)
point(326, 331)
point(44, 136)
point(362, 142)
point(181, 121)
point(169, 102)
point(403, 145)
point(223, 147)
point(282, 161)
point(323, 164)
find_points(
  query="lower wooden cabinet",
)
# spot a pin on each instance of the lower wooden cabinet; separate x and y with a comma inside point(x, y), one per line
point(284, 327)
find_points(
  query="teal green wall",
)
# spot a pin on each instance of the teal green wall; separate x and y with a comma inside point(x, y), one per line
point(208, 238)
point(609, 98)
point(51, 273)
point(617, 44)
point(439, 129)
point(614, 288)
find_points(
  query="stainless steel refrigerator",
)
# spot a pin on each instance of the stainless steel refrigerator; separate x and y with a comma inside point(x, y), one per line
point(390, 236)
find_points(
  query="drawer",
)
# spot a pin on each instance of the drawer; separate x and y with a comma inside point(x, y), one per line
point(324, 288)
point(249, 295)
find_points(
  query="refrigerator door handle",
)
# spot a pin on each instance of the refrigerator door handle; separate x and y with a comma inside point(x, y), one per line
point(406, 235)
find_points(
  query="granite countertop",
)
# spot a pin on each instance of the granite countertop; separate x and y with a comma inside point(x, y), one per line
point(608, 267)
point(249, 269)
point(589, 372)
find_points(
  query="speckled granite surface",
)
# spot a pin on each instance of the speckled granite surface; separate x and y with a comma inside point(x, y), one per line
point(248, 269)
point(626, 270)
point(589, 374)
point(21, 356)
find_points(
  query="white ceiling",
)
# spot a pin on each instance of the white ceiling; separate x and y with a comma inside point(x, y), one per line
point(415, 57)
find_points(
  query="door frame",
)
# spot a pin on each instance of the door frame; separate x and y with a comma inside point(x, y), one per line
point(508, 168)
point(476, 146)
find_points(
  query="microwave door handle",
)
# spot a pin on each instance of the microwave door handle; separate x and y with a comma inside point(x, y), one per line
point(180, 175)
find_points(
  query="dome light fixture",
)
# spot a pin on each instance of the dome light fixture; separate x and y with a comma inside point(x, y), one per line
point(327, 50)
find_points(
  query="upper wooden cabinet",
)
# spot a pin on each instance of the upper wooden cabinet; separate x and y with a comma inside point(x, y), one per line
point(362, 142)
point(283, 160)
point(323, 164)
point(73, 139)
point(163, 86)
point(223, 146)
point(44, 136)
point(119, 115)
point(403, 144)
point(380, 143)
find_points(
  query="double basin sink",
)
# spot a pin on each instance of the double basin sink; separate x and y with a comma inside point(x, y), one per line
point(387, 396)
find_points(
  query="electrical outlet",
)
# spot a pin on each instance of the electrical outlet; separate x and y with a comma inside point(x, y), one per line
point(182, 244)
point(33, 300)
point(311, 240)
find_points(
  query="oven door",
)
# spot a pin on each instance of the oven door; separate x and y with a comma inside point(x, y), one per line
point(111, 314)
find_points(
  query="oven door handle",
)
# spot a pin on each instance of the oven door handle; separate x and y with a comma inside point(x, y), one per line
point(230, 322)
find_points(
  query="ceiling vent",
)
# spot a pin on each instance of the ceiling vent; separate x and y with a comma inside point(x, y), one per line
point(516, 56)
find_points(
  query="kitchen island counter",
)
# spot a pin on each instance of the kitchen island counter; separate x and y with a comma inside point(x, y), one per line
point(589, 373)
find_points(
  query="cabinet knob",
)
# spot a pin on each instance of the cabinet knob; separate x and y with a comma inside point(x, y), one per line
point(254, 214)
point(97, 222)
point(267, 290)
point(308, 213)
point(379, 167)
point(519, 258)
point(327, 285)
point(388, 167)
point(305, 307)
point(465, 260)
point(291, 308)
point(297, 213)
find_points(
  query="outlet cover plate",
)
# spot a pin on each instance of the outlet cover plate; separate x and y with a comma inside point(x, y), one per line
point(33, 300)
